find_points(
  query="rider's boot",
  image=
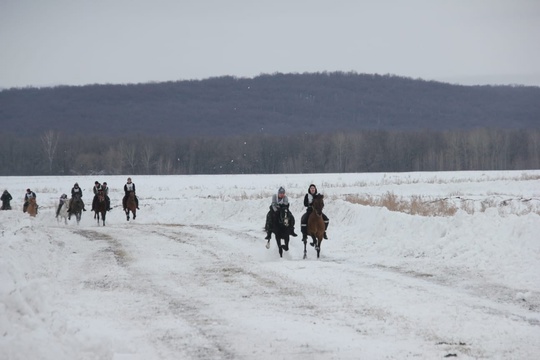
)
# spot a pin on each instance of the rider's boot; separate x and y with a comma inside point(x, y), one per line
point(324, 236)
point(293, 233)
point(268, 235)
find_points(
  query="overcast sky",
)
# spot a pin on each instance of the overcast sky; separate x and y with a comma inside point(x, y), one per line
point(76, 42)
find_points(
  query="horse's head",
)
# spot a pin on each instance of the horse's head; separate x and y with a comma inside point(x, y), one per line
point(284, 215)
point(318, 203)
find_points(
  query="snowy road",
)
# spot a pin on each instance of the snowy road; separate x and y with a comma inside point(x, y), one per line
point(197, 292)
point(191, 278)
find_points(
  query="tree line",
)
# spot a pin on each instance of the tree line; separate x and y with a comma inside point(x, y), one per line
point(55, 153)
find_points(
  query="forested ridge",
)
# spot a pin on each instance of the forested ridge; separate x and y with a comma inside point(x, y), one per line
point(280, 123)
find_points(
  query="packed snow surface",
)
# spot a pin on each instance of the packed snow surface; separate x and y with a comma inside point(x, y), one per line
point(191, 278)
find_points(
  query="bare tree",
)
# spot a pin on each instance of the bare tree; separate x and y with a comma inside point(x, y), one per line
point(147, 156)
point(128, 153)
point(49, 141)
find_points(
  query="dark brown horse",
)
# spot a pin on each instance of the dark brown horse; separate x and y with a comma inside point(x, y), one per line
point(100, 207)
point(315, 224)
point(131, 205)
point(76, 206)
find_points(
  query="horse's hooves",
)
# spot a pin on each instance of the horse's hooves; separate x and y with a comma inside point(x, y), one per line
point(268, 245)
point(312, 244)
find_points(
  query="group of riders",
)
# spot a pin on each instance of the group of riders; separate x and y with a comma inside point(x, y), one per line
point(76, 193)
point(98, 189)
point(281, 200)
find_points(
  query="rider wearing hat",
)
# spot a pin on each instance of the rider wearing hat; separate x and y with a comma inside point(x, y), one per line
point(75, 191)
point(278, 200)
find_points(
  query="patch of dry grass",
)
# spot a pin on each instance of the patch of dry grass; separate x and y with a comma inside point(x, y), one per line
point(425, 206)
point(415, 205)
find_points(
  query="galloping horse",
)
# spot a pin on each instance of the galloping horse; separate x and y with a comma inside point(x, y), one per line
point(64, 211)
point(32, 207)
point(280, 227)
point(75, 207)
point(131, 205)
point(315, 224)
point(100, 207)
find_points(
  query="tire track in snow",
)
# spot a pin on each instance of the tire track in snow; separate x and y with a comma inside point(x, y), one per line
point(493, 301)
point(196, 343)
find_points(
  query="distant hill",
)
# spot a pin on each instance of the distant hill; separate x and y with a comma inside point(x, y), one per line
point(276, 104)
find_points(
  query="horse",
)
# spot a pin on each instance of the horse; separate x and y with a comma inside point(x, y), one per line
point(100, 207)
point(63, 211)
point(75, 207)
point(32, 208)
point(315, 224)
point(131, 205)
point(280, 227)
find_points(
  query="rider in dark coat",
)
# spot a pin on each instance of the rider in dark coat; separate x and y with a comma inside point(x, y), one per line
point(29, 194)
point(105, 189)
point(308, 200)
point(278, 200)
point(97, 188)
point(75, 191)
point(128, 187)
point(6, 198)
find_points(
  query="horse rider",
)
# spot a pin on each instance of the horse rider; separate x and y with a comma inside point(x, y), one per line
point(29, 195)
point(97, 188)
point(105, 189)
point(278, 200)
point(128, 187)
point(63, 198)
point(6, 198)
point(308, 200)
point(76, 191)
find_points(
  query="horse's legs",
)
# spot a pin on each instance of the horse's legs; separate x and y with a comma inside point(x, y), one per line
point(285, 240)
point(313, 240)
point(305, 251)
point(278, 242)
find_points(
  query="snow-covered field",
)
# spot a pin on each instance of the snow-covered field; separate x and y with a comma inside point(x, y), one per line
point(191, 278)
